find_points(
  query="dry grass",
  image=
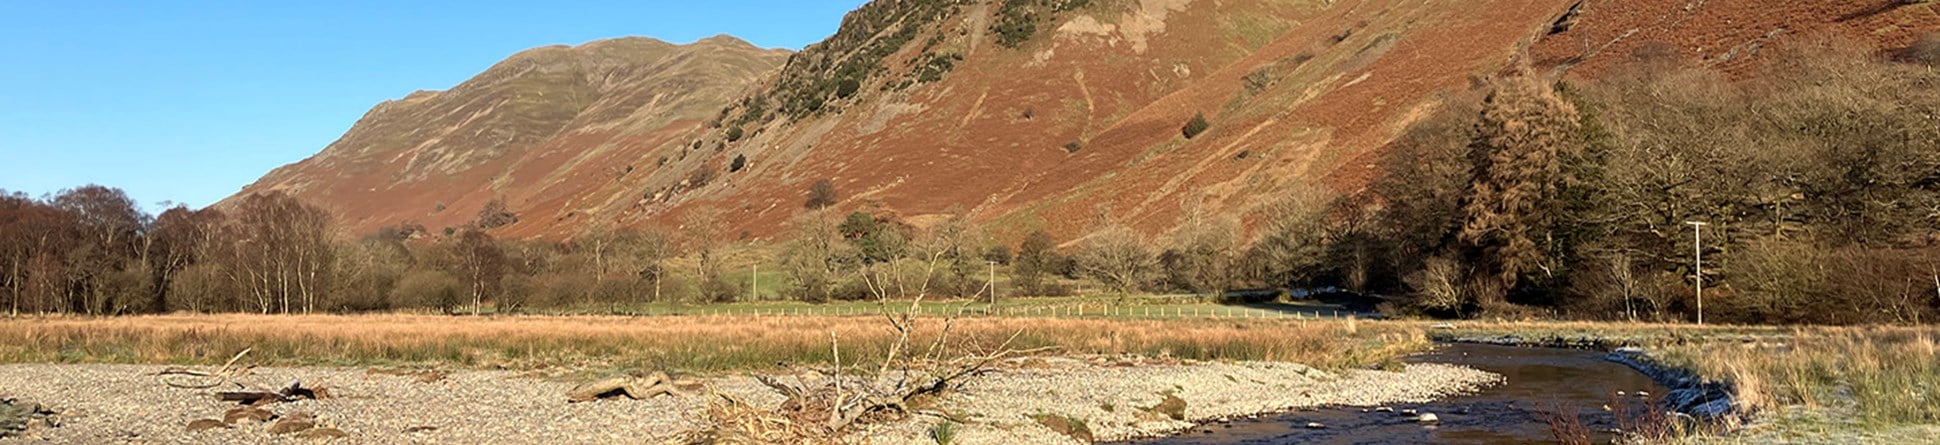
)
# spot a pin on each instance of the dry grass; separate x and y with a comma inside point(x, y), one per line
point(1883, 375)
point(693, 344)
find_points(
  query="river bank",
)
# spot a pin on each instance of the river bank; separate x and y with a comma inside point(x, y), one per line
point(1112, 398)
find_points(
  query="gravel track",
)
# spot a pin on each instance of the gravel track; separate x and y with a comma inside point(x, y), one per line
point(106, 404)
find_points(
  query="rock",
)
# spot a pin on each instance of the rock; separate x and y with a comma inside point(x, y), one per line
point(1428, 418)
point(287, 426)
point(1383, 409)
point(206, 424)
point(1316, 426)
point(1712, 409)
point(1444, 326)
point(323, 433)
point(1643, 394)
point(1408, 412)
point(420, 429)
point(242, 413)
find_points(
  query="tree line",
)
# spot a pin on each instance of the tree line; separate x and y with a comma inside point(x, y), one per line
point(1818, 179)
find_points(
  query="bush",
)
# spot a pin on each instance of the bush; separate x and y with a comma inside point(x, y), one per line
point(740, 162)
point(1926, 50)
point(1195, 126)
point(734, 133)
point(821, 194)
point(427, 289)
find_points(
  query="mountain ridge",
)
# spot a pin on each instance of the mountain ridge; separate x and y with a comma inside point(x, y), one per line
point(1023, 114)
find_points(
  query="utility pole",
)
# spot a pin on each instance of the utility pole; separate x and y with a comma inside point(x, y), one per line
point(1697, 253)
point(754, 282)
point(993, 282)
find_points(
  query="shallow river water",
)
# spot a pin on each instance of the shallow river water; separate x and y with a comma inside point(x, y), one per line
point(1539, 381)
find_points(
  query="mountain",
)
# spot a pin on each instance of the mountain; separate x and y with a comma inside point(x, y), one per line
point(551, 131)
point(1022, 113)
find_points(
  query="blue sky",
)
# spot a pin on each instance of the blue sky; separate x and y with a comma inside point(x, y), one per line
point(187, 101)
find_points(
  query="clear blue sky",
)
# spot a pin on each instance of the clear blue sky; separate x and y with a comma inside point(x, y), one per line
point(188, 101)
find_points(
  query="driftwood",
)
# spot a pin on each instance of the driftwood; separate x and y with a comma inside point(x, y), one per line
point(636, 388)
point(211, 379)
point(258, 397)
point(835, 400)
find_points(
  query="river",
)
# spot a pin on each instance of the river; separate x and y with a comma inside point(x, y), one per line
point(1538, 381)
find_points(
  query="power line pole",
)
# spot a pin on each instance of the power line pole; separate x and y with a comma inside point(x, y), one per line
point(1697, 252)
point(993, 282)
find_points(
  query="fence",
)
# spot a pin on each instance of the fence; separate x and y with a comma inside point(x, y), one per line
point(1099, 311)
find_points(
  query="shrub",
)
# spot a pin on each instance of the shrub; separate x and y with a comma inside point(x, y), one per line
point(427, 289)
point(1926, 50)
point(496, 215)
point(700, 177)
point(740, 162)
point(1195, 126)
point(820, 195)
point(734, 133)
point(1073, 146)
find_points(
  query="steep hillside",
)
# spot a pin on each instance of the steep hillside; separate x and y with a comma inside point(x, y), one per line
point(1023, 113)
point(551, 131)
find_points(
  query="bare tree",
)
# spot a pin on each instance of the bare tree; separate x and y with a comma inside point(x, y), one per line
point(481, 264)
point(1119, 257)
point(820, 195)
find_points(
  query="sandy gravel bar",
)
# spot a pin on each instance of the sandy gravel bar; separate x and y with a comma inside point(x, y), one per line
point(108, 404)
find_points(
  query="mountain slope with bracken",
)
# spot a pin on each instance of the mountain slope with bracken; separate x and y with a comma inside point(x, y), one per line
point(1034, 113)
point(547, 129)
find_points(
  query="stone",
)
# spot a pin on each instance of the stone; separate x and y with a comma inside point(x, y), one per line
point(1408, 412)
point(1428, 418)
point(1712, 409)
point(323, 433)
point(1316, 426)
point(1383, 409)
point(1643, 394)
point(287, 426)
point(206, 424)
point(242, 413)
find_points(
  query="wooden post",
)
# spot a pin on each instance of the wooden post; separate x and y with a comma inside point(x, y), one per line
point(1697, 253)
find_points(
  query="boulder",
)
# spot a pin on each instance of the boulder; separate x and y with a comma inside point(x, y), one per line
point(1428, 418)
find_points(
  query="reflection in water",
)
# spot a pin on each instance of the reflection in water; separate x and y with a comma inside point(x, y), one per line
point(1538, 380)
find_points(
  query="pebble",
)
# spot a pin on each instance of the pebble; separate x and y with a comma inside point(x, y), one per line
point(1428, 418)
point(1315, 426)
point(509, 407)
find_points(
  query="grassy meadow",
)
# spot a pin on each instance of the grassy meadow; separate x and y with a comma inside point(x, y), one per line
point(696, 344)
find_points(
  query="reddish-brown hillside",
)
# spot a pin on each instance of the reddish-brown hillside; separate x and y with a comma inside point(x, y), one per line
point(552, 131)
point(922, 107)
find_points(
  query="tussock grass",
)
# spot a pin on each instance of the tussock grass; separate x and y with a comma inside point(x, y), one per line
point(692, 344)
point(1882, 375)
